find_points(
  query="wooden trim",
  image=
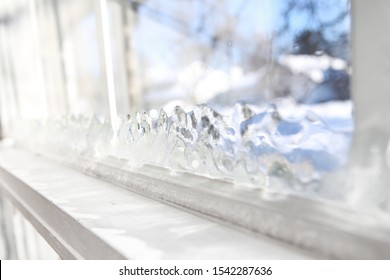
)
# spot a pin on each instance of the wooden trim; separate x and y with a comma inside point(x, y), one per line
point(86, 218)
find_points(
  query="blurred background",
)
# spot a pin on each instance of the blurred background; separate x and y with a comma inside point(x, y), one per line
point(118, 56)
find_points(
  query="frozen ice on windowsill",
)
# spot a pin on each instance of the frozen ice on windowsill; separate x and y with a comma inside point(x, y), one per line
point(280, 142)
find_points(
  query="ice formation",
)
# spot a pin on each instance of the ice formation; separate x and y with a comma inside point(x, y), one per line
point(245, 144)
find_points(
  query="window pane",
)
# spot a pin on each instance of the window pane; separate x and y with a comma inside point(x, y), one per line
point(274, 76)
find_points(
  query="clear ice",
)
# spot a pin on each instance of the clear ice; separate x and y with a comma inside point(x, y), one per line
point(246, 144)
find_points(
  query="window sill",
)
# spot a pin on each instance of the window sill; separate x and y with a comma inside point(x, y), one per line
point(85, 218)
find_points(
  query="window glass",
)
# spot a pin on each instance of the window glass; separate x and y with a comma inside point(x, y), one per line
point(255, 92)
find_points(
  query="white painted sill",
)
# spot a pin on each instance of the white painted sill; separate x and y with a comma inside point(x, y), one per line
point(83, 217)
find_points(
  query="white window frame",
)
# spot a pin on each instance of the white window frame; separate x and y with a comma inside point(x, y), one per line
point(326, 228)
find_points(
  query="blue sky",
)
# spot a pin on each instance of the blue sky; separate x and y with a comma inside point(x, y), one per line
point(167, 29)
